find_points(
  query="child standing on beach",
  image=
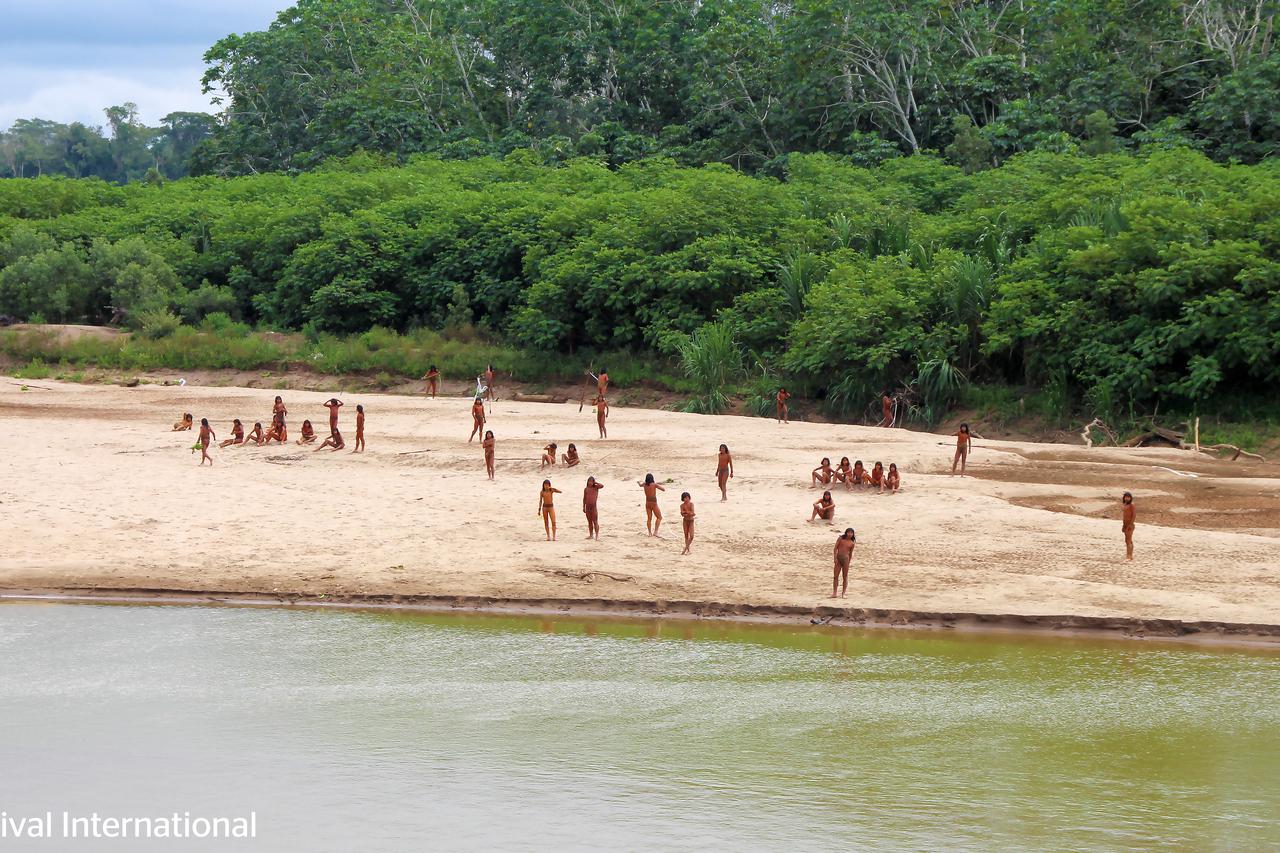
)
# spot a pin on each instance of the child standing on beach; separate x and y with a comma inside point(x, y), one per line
point(359, 428)
point(590, 498)
point(1128, 516)
point(477, 417)
point(843, 554)
point(686, 518)
point(652, 515)
point(724, 471)
point(488, 445)
point(546, 508)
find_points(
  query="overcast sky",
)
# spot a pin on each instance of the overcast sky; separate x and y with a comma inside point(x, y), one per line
point(68, 59)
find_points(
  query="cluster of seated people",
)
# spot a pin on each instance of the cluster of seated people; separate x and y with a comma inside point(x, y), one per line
point(852, 476)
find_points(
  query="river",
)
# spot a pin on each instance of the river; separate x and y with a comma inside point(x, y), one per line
point(355, 730)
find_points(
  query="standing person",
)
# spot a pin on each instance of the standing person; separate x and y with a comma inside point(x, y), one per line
point(652, 515)
point(686, 518)
point(489, 375)
point(843, 554)
point(886, 410)
point(602, 383)
point(432, 376)
point(488, 445)
point(824, 508)
point(359, 428)
point(546, 508)
point(724, 471)
point(602, 412)
point(1127, 518)
point(781, 401)
point(964, 443)
point(206, 438)
point(590, 497)
point(333, 404)
point(237, 434)
point(278, 412)
point(477, 417)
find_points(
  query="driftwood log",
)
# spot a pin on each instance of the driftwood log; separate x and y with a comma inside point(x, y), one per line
point(589, 577)
point(1087, 432)
point(1173, 438)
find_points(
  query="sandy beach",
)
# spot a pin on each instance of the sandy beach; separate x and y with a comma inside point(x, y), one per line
point(96, 492)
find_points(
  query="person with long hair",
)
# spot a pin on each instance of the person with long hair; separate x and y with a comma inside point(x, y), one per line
point(652, 515)
point(724, 471)
point(547, 509)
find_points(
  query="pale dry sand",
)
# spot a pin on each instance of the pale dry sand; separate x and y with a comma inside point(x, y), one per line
point(95, 491)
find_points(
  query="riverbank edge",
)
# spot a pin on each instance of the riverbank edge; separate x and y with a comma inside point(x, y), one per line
point(1112, 627)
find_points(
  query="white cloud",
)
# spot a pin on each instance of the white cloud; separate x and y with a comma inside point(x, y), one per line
point(66, 60)
point(82, 94)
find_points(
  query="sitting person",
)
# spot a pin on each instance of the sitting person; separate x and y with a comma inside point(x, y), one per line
point(308, 433)
point(877, 477)
point(256, 436)
point(844, 472)
point(859, 474)
point(892, 480)
point(185, 424)
point(823, 475)
point(237, 434)
point(570, 458)
point(824, 508)
point(548, 456)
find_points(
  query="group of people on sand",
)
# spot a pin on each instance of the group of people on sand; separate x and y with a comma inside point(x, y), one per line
point(277, 432)
point(856, 476)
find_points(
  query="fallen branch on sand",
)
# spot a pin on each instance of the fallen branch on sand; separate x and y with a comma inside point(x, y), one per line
point(25, 385)
point(1096, 423)
point(1215, 449)
point(411, 452)
point(589, 577)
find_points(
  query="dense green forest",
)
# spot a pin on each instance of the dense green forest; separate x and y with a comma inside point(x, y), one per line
point(124, 150)
point(744, 82)
point(1116, 279)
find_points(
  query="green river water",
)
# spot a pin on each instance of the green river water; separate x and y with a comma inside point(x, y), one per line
point(359, 731)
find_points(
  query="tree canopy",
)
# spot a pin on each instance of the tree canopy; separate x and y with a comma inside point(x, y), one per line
point(1125, 278)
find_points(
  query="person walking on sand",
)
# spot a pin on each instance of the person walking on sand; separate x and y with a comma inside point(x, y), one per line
point(432, 376)
point(488, 445)
point(652, 515)
point(824, 508)
point(206, 438)
point(237, 434)
point(590, 498)
point(724, 471)
point(686, 518)
point(546, 508)
point(1128, 516)
point(489, 390)
point(781, 405)
point(843, 555)
point(602, 412)
point(359, 429)
point(886, 410)
point(477, 417)
point(964, 443)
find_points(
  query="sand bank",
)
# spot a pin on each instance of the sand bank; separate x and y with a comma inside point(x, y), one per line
point(97, 494)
